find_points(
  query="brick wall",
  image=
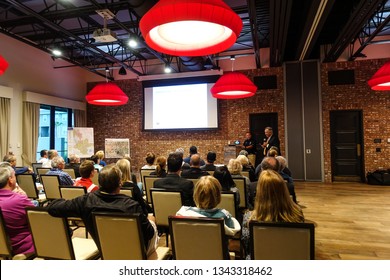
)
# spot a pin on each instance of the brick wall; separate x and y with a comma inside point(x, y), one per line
point(126, 121)
point(375, 106)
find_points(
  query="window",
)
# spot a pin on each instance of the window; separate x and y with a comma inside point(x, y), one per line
point(53, 129)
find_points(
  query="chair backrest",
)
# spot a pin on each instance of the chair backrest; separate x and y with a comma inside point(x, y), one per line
point(193, 180)
point(70, 171)
point(95, 178)
point(245, 173)
point(241, 186)
point(198, 238)
point(42, 170)
point(36, 165)
point(281, 241)
point(119, 236)
point(27, 183)
point(166, 202)
point(51, 184)
point(211, 172)
point(70, 192)
point(148, 184)
point(127, 191)
point(145, 172)
point(5, 244)
point(50, 235)
point(228, 202)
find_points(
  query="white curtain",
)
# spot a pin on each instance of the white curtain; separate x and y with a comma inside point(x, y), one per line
point(30, 132)
point(80, 118)
point(5, 107)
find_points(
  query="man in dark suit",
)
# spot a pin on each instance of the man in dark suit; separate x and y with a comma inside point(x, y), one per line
point(270, 141)
point(194, 172)
point(174, 181)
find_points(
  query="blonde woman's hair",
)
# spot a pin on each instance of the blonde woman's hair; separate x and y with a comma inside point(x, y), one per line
point(243, 159)
point(234, 166)
point(100, 154)
point(124, 167)
point(273, 202)
point(207, 192)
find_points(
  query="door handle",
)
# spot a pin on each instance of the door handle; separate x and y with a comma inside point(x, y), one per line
point(358, 150)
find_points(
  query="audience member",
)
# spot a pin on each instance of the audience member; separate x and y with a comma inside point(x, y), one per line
point(100, 155)
point(17, 189)
point(74, 163)
point(133, 176)
point(272, 204)
point(194, 172)
point(150, 158)
point(184, 165)
point(193, 151)
point(44, 156)
point(174, 181)
point(107, 198)
point(288, 179)
point(235, 167)
point(126, 182)
point(250, 146)
point(50, 155)
point(13, 208)
point(247, 166)
point(161, 163)
point(283, 162)
point(96, 161)
point(11, 158)
point(57, 164)
point(211, 158)
point(207, 196)
point(87, 171)
point(224, 177)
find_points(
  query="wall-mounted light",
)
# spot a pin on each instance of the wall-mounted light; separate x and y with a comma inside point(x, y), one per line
point(3, 65)
point(190, 27)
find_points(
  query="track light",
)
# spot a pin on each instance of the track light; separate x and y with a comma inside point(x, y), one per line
point(122, 71)
point(167, 69)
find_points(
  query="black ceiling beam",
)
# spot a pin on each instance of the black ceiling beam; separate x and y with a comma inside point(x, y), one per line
point(367, 37)
point(363, 12)
point(315, 20)
point(57, 28)
point(280, 12)
point(254, 28)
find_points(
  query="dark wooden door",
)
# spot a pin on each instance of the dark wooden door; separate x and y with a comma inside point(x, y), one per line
point(257, 124)
point(346, 145)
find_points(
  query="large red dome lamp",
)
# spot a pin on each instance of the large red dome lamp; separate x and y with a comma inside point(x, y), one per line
point(190, 27)
point(3, 65)
point(233, 85)
point(381, 79)
point(106, 94)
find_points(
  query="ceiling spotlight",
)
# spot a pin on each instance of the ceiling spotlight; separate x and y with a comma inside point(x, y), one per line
point(167, 69)
point(122, 71)
point(132, 43)
point(107, 69)
point(56, 52)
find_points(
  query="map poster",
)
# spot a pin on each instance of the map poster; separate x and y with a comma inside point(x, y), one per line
point(80, 141)
point(117, 148)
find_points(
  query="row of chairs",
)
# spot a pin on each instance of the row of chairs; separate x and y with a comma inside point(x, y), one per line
point(120, 238)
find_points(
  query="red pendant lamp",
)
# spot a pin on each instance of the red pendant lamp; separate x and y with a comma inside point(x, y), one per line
point(381, 79)
point(106, 94)
point(190, 27)
point(233, 85)
point(3, 65)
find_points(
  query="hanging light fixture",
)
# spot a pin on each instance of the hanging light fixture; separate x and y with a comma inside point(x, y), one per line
point(3, 65)
point(233, 85)
point(381, 79)
point(106, 94)
point(190, 27)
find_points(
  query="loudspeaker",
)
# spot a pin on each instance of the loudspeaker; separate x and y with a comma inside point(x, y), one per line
point(266, 82)
point(341, 77)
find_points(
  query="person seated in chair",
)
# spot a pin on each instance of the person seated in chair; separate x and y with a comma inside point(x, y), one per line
point(210, 159)
point(57, 164)
point(87, 171)
point(194, 172)
point(272, 204)
point(207, 196)
point(106, 199)
point(74, 163)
